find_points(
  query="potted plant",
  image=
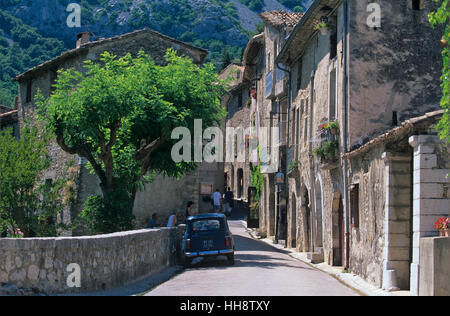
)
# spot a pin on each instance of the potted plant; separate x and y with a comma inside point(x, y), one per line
point(323, 27)
point(327, 152)
point(333, 127)
point(443, 225)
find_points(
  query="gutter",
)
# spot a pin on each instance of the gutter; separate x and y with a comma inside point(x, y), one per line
point(286, 178)
point(345, 137)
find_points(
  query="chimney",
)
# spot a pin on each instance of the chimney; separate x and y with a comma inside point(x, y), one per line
point(83, 38)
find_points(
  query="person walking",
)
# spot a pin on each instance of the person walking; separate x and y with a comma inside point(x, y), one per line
point(189, 209)
point(229, 200)
point(172, 219)
point(217, 201)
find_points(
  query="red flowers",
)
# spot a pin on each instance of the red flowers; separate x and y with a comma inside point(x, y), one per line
point(253, 94)
point(442, 223)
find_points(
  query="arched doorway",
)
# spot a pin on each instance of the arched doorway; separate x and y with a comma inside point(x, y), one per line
point(338, 230)
point(240, 183)
point(293, 222)
point(306, 220)
point(318, 228)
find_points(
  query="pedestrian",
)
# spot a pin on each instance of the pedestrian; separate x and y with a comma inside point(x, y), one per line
point(172, 219)
point(229, 201)
point(152, 223)
point(189, 209)
point(217, 201)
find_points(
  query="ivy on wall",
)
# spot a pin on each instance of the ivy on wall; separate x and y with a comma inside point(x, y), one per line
point(442, 17)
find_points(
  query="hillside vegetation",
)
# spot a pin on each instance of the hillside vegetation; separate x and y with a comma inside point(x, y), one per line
point(34, 31)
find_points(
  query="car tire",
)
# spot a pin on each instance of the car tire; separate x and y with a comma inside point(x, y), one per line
point(231, 260)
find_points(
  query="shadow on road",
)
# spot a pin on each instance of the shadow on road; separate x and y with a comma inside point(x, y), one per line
point(248, 254)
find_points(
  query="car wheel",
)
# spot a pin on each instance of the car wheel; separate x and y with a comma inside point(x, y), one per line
point(231, 260)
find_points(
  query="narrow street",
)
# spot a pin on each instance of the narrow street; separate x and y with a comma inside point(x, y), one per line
point(259, 270)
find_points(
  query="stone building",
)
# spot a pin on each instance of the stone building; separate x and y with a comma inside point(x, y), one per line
point(238, 104)
point(366, 81)
point(271, 105)
point(9, 119)
point(164, 194)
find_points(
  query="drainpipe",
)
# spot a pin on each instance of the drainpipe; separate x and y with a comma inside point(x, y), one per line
point(311, 157)
point(288, 71)
point(345, 136)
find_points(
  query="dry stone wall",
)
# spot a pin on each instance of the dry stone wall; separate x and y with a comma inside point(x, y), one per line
point(42, 265)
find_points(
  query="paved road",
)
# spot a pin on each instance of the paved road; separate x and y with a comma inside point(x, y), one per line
point(259, 270)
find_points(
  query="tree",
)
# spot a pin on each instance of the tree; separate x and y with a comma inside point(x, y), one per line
point(119, 115)
point(442, 16)
point(27, 205)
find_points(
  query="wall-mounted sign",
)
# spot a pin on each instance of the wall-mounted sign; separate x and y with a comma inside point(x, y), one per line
point(279, 178)
point(206, 188)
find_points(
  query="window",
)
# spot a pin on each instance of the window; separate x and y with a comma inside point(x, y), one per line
point(299, 76)
point(416, 5)
point(395, 118)
point(205, 225)
point(332, 97)
point(354, 204)
point(333, 45)
point(29, 90)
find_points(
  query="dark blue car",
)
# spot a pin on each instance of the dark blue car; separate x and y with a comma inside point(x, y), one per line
point(207, 235)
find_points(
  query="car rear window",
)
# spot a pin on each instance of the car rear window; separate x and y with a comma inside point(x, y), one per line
point(205, 225)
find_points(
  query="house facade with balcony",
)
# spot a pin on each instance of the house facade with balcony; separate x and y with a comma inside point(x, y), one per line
point(349, 83)
point(270, 106)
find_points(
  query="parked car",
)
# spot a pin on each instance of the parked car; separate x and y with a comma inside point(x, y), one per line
point(207, 235)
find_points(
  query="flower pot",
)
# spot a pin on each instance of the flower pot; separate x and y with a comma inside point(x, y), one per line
point(444, 233)
point(324, 30)
point(334, 131)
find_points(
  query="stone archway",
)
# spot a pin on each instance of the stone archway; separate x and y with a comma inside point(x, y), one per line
point(304, 233)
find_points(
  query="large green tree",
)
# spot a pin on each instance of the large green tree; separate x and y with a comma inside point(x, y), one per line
point(119, 114)
point(442, 16)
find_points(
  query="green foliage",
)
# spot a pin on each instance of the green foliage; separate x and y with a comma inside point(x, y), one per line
point(21, 47)
point(442, 16)
point(327, 151)
point(27, 205)
point(120, 114)
point(257, 178)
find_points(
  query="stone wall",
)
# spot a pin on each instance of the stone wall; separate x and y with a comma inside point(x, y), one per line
point(393, 68)
point(39, 265)
point(431, 197)
point(435, 267)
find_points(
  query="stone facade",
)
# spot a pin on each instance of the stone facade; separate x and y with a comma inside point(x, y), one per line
point(356, 210)
point(162, 196)
point(42, 265)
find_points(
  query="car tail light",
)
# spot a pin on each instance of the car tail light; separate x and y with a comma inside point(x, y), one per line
point(228, 242)
point(188, 244)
